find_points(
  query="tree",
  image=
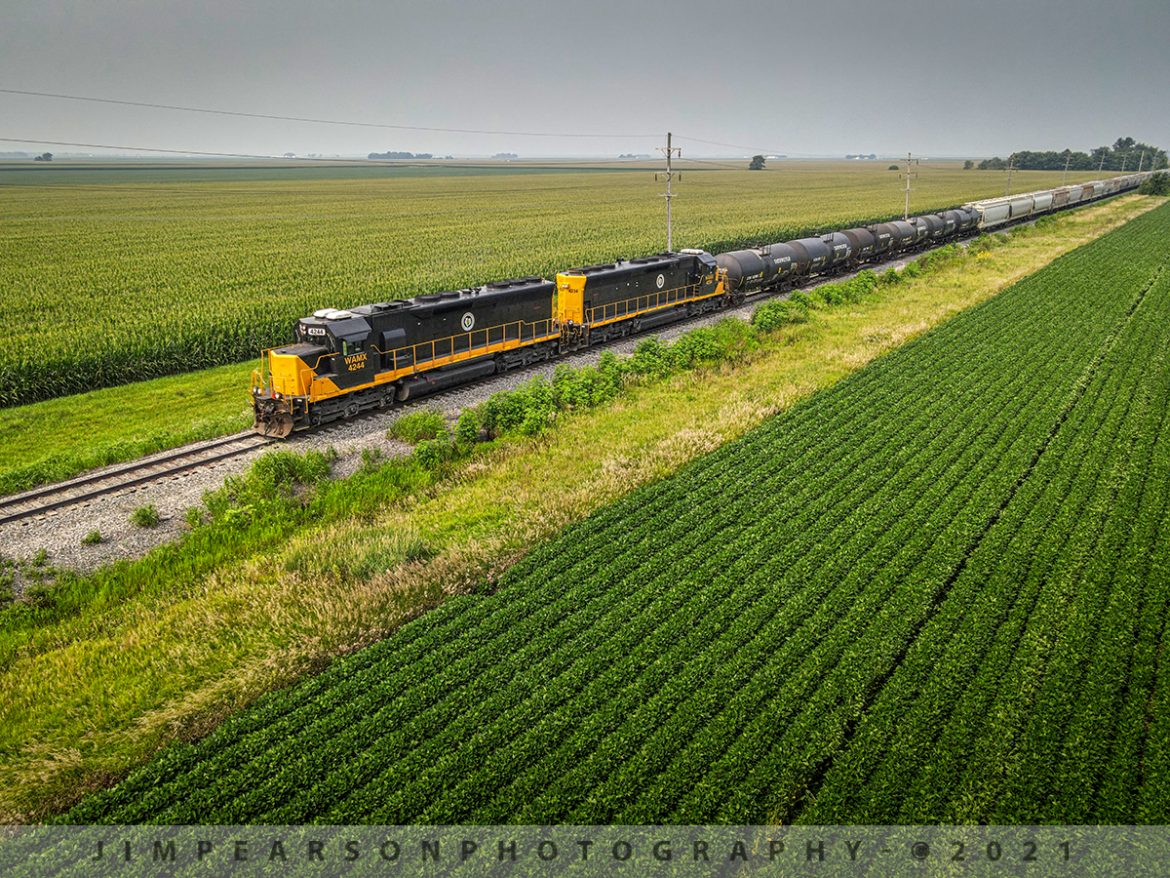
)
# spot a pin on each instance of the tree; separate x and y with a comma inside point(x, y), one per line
point(1159, 184)
point(893, 168)
point(1126, 152)
point(44, 157)
point(757, 163)
point(398, 154)
point(968, 165)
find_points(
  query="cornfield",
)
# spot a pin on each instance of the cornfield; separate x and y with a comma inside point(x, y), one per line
point(103, 283)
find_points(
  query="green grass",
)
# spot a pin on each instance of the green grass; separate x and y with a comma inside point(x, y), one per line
point(55, 439)
point(105, 283)
point(145, 516)
point(255, 597)
point(918, 596)
point(417, 426)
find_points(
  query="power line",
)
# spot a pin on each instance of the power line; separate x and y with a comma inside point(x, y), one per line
point(721, 165)
point(392, 163)
point(309, 161)
point(183, 152)
point(800, 155)
point(360, 124)
point(196, 152)
point(731, 145)
point(315, 121)
point(212, 187)
point(386, 125)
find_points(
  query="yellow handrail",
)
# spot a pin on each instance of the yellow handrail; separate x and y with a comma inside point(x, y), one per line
point(260, 375)
point(645, 302)
point(439, 348)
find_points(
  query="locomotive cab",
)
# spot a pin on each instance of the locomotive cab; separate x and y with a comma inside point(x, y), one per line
point(352, 359)
point(332, 345)
point(331, 354)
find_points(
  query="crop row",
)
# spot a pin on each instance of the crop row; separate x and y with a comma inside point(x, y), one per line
point(988, 642)
point(929, 592)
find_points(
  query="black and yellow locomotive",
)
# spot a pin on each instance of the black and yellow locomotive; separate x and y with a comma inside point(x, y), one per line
point(344, 362)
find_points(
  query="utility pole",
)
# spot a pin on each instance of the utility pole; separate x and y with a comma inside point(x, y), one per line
point(1008, 190)
point(1142, 161)
point(670, 152)
point(1101, 166)
point(1124, 159)
point(1064, 176)
point(907, 175)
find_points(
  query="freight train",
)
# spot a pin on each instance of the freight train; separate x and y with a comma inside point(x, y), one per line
point(346, 361)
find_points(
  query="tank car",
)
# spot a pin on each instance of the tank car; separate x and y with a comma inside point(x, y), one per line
point(864, 243)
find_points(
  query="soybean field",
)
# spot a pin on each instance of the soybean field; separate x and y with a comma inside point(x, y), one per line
point(936, 591)
point(109, 276)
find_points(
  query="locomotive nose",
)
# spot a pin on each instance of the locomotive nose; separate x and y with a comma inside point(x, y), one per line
point(272, 417)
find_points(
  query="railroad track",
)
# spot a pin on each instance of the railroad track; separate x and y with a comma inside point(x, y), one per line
point(115, 479)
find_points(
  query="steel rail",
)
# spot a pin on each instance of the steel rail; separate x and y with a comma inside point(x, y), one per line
point(127, 476)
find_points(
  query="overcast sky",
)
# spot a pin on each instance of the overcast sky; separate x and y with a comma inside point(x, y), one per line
point(944, 77)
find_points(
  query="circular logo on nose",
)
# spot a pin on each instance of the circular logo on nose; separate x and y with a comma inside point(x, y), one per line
point(467, 322)
point(660, 281)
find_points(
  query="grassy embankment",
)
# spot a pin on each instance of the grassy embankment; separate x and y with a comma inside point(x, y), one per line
point(90, 692)
point(59, 438)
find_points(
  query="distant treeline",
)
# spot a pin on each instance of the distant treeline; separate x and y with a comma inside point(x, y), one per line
point(1125, 154)
point(407, 155)
point(400, 155)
